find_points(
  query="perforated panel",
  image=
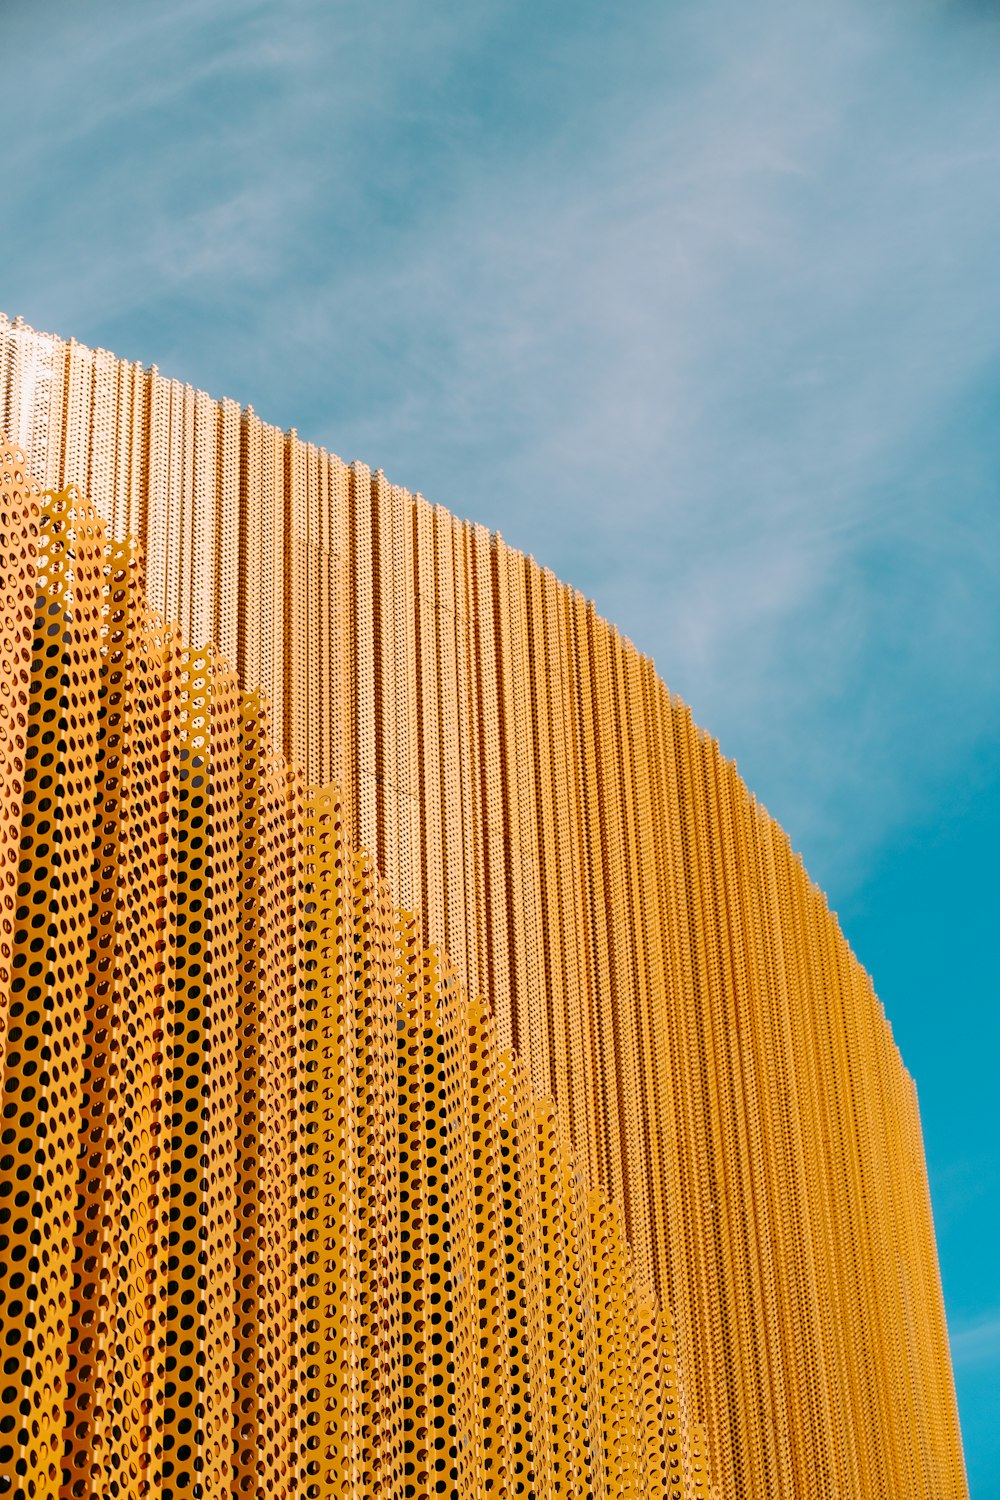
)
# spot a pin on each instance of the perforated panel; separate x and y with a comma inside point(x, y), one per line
point(278, 1213)
point(596, 870)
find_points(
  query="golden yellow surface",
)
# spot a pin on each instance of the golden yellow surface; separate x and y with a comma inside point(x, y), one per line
point(279, 1214)
point(721, 1071)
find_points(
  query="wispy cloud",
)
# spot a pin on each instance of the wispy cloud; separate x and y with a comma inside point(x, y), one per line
point(708, 378)
point(693, 308)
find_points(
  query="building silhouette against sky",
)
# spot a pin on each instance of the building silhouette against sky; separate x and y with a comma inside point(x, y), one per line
point(427, 1069)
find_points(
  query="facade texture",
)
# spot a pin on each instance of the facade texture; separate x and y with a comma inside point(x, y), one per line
point(624, 1192)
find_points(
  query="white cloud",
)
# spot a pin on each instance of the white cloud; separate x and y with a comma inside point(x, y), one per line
point(687, 331)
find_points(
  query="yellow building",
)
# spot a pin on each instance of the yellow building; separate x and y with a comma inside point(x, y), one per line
point(426, 1068)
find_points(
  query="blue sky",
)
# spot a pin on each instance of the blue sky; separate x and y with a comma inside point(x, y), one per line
point(696, 301)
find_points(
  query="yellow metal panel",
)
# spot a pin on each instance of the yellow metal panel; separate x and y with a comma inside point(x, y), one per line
point(451, 834)
point(19, 523)
point(228, 528)
point(49, 1009)
point(77, 425)
point(105, 423)
point(366, 727)
point(490, 772)
point(428, 709)
point(719, 1071)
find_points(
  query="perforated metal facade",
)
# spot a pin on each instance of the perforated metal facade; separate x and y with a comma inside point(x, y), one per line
point(727, 1100)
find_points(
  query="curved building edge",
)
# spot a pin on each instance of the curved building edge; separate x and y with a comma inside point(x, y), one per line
point(654, 950)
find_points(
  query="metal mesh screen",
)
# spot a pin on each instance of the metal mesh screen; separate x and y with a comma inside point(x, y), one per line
point(278, 1215)
point(650, 947)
